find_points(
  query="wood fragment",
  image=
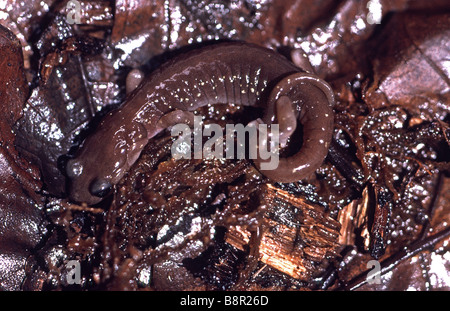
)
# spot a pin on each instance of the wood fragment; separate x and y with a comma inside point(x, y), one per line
point(354, 218)
point(292, 249)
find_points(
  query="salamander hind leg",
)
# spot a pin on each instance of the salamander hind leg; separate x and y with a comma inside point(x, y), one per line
point(175, 117)
point(273, 137)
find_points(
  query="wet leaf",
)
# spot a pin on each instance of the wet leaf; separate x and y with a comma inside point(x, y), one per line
point(75, 83)
point(411, 66)
point(22, 222)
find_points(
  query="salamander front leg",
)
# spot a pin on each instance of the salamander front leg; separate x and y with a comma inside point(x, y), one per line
point(175, 117)
point(134, 78)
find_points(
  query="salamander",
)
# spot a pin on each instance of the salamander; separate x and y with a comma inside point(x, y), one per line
point(225, 73)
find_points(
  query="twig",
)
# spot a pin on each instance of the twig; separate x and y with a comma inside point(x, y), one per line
point(392, 262)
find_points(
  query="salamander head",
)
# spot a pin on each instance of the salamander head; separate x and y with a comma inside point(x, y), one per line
point(104, 158)
point(85, 187)
point(98, 165)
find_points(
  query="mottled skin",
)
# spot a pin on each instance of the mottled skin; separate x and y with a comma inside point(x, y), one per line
point(232, 73)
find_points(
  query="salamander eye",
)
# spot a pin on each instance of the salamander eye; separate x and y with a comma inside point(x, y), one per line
point(100, 188)
point(74, 168)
